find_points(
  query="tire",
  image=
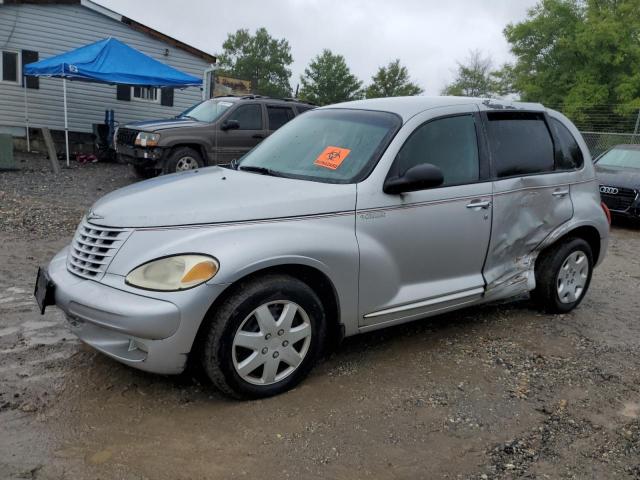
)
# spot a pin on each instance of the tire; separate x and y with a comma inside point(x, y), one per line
point(561, 293)
point(181, 159)
point(143, 172)
point(248, 373)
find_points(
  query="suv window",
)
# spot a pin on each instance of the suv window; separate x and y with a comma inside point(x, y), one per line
point(571, 157)
point(303, 108)
point(248, 116)
point(520, 143)
point(448, 143)
point(278, 116)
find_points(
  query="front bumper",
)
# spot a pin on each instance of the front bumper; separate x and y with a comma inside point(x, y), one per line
point(145, 332)
point(142, 156)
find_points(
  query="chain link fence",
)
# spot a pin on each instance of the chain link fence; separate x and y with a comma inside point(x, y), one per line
point(604, 126)
point(600, 142)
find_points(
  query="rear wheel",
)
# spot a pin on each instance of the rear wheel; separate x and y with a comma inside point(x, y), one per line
point(265, 338)
point(563, 275)
point(182, 159)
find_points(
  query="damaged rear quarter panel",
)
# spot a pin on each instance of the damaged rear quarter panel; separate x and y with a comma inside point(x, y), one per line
point(525, 213)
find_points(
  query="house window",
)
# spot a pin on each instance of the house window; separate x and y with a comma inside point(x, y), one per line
point(146, 94)
point(10, 67)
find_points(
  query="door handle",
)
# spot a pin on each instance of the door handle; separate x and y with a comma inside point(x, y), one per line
point(257, 135)
point(479, 204)
point(560, 193)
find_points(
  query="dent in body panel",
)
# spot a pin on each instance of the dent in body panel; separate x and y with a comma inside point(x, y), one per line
point(525, 214)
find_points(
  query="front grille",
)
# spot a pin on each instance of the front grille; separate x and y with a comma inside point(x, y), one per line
point(126, 136)
point(620, 201)
point(92, 249)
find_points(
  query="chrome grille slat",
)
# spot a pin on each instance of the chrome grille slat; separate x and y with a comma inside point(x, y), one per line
point(80, 248)
point(93, 248)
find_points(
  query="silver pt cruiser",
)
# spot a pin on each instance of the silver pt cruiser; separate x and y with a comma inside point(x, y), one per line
point(350, 218)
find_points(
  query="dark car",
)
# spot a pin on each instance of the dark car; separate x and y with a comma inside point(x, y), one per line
point(618, 172)
point(213, 132)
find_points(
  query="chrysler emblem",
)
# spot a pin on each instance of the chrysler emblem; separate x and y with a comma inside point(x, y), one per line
point(93, 216)
point(608, 190)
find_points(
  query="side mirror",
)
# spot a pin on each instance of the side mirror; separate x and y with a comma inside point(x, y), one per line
point(420, 177)
point(230, 125)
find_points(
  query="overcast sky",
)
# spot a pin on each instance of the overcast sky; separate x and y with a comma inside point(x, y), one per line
point(428, 36)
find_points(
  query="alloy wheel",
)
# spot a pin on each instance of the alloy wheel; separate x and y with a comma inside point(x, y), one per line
point(271, 342)
point(572, 277)
point(186, 163)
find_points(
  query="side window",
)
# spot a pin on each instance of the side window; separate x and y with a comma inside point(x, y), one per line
point(278, 116)
point(520, 143)
point(248, 116)
point(571, 158)
point(448, 143)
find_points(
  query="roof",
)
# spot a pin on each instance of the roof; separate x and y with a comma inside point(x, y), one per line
point(133, 24)
point(263, 98)
point(407, 107)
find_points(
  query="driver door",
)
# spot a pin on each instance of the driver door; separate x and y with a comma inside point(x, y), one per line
point(422, 252)
point(234, 143)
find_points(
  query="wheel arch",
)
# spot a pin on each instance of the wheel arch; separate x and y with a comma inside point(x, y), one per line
point(197, 146)
point(588, 233)
point(316, 279)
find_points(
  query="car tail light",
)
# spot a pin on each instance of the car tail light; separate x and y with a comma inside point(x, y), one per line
point(607, 212)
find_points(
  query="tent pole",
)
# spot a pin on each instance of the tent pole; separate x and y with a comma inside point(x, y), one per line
point(26, 112)
point(66, 121)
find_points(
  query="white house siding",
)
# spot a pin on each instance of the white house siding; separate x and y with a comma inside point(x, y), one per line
point(54, 29)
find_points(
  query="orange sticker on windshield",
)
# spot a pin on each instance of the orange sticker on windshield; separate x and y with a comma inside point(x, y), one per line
point(332, 157)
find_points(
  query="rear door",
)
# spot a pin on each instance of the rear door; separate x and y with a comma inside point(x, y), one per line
point(277, 116)
point(531, 194)
point(233, 144)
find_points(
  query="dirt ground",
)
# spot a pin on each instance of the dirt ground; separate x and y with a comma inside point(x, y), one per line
point(496, 392)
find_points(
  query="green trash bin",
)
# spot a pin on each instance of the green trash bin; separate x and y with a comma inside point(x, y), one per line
point(6, 152)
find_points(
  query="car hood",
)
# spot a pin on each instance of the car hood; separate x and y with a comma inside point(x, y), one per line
point(218, 195)
point(163, 124)
point(619, 177)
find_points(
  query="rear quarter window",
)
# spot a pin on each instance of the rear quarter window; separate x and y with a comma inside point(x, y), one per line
point(571, 158)
point(520, 143)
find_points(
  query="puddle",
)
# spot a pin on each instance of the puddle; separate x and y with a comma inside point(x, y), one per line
point(8, 331)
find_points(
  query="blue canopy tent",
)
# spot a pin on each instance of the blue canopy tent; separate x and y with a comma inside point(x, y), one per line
point(107, 61)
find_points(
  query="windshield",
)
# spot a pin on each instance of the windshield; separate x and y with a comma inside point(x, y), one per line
point(332, 146)
point(621, 157)
point(207, 111)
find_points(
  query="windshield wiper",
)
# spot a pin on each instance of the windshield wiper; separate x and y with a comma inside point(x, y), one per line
point(260, 170)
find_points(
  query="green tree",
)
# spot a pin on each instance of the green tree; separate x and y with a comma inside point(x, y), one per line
point(579, 54)
point(392, 81)
point(474, 78)
point(328, 80)
point(260, 58)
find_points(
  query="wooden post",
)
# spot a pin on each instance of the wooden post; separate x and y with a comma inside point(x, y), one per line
point(51, 148)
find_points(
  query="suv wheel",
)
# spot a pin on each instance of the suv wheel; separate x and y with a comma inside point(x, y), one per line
point(265, 338)
point(563, 275)
point(183, 158)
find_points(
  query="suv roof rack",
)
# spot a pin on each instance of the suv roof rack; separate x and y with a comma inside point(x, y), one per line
point(291, 99)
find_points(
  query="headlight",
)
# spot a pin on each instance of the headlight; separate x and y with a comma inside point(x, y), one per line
point(146, 139)
point(173, 273)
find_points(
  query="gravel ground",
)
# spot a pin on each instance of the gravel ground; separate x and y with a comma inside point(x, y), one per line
point(497, 392)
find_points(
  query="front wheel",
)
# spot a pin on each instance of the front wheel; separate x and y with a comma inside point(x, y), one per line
point(182, 159)
point(563, 275)
point(265, 338)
